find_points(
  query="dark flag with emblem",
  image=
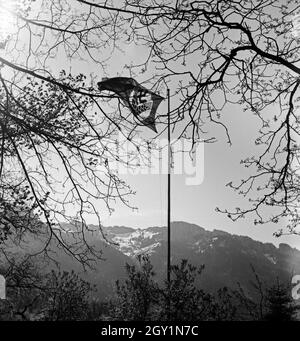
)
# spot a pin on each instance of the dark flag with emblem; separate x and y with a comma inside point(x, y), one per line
point(142, 102)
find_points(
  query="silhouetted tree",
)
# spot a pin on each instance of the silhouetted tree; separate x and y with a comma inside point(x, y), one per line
point(280, 304)
point(141, 297)
point(271, 302)
point(68, 297)
point(223, 306)
point(34, 294)
point(136, 297)
point(180, 299)
point(25, 289)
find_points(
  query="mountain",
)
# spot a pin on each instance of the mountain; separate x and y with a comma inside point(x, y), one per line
point(104, 272)
point(228, 259)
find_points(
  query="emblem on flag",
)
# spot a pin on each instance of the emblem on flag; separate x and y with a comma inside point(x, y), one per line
point(142, 102)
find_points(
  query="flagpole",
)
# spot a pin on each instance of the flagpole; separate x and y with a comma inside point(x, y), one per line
point(169, 192)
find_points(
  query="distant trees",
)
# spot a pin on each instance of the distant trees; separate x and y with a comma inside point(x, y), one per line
point(36, 294)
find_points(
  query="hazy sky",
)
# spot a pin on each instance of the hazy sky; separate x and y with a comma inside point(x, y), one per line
point(196, 204)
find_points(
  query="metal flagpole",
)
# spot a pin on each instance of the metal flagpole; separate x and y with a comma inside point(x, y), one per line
point(169, 190)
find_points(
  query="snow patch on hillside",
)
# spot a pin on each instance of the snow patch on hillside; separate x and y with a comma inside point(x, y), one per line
point(148, 250)
point(271, 258)
point(131, 244)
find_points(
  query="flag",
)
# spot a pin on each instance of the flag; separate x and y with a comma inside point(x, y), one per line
point(142, 102)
